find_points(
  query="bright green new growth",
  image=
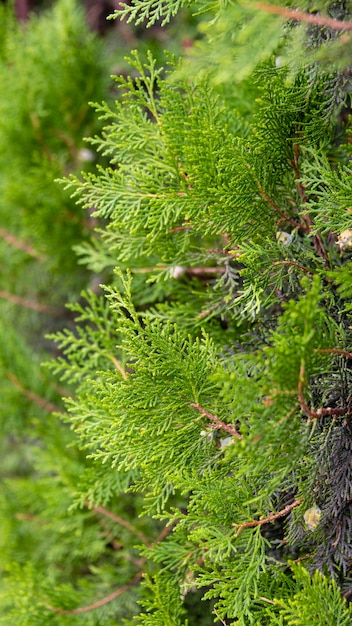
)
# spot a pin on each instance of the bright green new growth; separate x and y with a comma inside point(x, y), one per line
point(150, 11)
point(209, 449)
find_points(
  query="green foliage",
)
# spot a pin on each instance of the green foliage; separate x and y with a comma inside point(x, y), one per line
point(150, 10)
point(242, 34)
point(165, 607)
point(204, 446)
point(51, 69)
point(317, 601)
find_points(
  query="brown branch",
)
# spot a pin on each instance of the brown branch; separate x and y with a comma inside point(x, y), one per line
point(165, 531)
point(301, 16)
point(119, 520)
point(99, 603)
point(31, 304)
point(189, 271)
point(119, 367)
point(115, 594)
point(295, 164)
point(317, 241)
point(19, 244)
point(318, 244)
point(304, 557)
point(274, 206)
point(179, 229)
point(271, 518)
point(294, 264)
point(217, 423)
point(108, 534)
point(22, 10)
point(348, 355)
point(38, 400)
point(67, 141)
point(204, 271)
point(31, 518)
point(322, 412)
point(62, 391)
point(267, 600)
point(219, 618)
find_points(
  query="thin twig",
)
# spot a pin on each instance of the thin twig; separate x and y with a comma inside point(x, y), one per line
point(62, 391)
point(271, 518)
point(122, 522)
point(99, 603)
point(19, 244)
point(317, 241)
point(217, 422)
point(301, 16)
point(178, 229)
point(118, 592)
point(31, 518)
point(31, 304)
point(295, 164)
point(38, 400)
point(294, 264)
point(22, 10)
point(119, 367)
point(165, 531)
point(108, 534)
point(348, 355)
point(219, 618)
point(267, 600)
point(323, 411)
point(273, 205)
point(191, 271)
point(204, 271)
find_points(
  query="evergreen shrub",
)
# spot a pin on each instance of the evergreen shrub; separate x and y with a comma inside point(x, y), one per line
point(201, 470)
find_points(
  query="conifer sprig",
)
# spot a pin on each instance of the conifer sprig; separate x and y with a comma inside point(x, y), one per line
point(204, 456)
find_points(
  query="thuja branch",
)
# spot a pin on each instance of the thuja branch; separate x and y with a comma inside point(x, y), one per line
point(295, 165)
point(266, 520)
point(38, 400)
point(180, 270)
point(122, 522)
point(31, 518)
point(217, 422)
point(165, 531)
point(301, 16)
point(219, 618)
point(19, 244)
point(119, 367)
point(99, 603)
point(323, 411)
point(348, 355)
point(274, 206)
point(318, 244)
point(118, 592)
point(294, 264)
point(31, 304)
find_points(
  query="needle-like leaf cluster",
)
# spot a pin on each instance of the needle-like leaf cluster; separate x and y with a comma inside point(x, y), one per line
point(201, 469)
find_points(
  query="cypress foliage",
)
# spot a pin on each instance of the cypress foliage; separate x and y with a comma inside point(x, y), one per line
point(201, 469)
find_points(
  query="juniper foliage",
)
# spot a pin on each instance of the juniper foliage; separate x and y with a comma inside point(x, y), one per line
point(209, 404)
